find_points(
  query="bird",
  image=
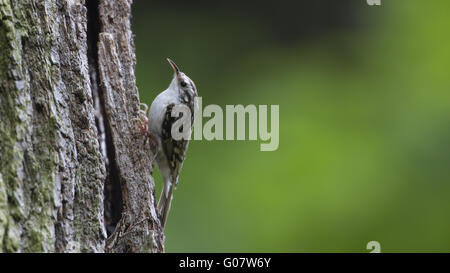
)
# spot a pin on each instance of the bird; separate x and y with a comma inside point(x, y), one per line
point(157, 126)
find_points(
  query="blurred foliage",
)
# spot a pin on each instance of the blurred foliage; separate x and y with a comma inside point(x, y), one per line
point(364, 124)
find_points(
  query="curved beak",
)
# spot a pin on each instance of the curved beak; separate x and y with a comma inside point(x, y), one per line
point(174, 66)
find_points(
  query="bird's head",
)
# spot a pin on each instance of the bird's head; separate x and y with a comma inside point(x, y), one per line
point(182, 83)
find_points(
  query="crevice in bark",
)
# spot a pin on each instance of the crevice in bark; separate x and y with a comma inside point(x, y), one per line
point(112, 189)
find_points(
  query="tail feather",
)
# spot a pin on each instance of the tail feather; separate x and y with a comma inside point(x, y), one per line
point(164, 202)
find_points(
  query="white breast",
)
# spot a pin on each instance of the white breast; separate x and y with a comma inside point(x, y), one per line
point(158, 110)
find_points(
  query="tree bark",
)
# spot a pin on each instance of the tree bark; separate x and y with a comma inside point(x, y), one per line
point(72, 166)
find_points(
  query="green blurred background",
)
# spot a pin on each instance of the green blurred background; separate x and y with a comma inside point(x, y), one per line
point(364, 95)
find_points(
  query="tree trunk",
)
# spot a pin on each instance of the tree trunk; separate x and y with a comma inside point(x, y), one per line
point(72, 165)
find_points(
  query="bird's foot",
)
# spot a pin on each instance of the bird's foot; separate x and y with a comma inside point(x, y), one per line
point(142, 120)
point(142, 124)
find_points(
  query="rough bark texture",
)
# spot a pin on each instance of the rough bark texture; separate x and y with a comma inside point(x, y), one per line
point(67, 102)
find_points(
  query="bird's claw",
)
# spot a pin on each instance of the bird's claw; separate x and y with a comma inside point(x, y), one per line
point(145, 107)
point(142, 124)
point(142, 120)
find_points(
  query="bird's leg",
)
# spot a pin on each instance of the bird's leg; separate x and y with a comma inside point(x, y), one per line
point(142, 125)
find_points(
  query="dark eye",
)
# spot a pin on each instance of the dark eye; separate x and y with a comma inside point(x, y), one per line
point(183, 83)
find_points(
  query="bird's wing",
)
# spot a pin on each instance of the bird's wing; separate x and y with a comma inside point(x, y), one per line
point(174, 150)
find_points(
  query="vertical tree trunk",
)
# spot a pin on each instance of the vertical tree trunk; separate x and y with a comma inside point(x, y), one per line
point(71, 163)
